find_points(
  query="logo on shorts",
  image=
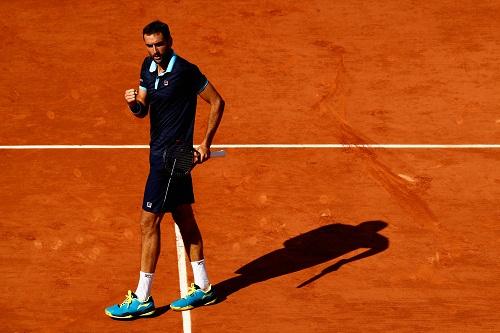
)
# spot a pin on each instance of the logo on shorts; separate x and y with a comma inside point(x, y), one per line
point(165, 83)
point(149, 204)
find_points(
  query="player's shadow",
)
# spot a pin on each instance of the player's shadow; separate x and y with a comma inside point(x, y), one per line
point(312, 248)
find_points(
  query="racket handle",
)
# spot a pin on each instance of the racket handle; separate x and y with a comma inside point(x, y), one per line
point(218, 153)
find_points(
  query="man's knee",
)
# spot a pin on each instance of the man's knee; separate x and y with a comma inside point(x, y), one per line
point(150, 221)
point(184, 218)
point(183, 215)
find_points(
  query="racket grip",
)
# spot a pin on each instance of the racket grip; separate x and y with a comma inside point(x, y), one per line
point(218, 153)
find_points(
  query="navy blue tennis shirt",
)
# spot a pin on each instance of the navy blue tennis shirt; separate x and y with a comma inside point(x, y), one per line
point(172, 99)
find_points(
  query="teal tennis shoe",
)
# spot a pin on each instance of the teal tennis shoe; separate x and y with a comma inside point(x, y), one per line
point(195, 297)
point(131, 307)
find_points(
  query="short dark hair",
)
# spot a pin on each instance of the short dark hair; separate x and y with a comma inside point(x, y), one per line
point(155, 27)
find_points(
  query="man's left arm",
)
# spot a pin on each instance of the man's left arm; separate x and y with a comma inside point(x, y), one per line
point(211, 96)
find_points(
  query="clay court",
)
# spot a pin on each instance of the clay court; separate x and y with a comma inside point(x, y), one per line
point(359, 238)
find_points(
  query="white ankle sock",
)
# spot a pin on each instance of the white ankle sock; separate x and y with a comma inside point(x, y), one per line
point(144, 286)
point(200, 274)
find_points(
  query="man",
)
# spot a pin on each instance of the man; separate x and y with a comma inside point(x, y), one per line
point(168, 89)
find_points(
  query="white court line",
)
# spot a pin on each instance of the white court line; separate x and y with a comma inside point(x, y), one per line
point(271, 146)
point(183, 278)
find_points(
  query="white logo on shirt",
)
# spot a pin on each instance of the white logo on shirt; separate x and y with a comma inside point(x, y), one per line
point(149, 204)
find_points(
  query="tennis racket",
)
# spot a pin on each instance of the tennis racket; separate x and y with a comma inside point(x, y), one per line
point(181, 159)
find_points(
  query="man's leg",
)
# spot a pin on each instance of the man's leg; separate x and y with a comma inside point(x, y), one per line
point(151, 240)
point(141, 303)
point(184, 218)
point(150, 252)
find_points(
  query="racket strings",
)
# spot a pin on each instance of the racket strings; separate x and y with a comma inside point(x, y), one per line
point(180, 161)
point(183, 164)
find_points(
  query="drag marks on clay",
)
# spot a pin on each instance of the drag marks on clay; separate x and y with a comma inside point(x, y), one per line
point(407, 196)
point(422, 184)
point(407, 178)
point(332, 107)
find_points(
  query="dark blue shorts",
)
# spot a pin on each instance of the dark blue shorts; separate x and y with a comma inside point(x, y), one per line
point(156, 199)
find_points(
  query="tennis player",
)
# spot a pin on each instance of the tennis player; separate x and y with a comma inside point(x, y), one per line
point(168, 90)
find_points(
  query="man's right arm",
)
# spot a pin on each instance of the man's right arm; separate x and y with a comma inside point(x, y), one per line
point(137, 102)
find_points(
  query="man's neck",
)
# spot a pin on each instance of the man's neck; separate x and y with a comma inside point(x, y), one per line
point(164, 64)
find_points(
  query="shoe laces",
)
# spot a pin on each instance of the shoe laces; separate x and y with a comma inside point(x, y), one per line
point(192, 289)
point(128, 299)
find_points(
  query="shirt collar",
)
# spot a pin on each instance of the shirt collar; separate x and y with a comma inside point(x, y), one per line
point(153, 67)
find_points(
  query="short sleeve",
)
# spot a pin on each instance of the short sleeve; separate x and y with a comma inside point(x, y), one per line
point(144, 74)
point(199, 80)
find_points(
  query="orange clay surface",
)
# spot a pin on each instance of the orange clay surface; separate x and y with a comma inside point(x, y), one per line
point(346, 240)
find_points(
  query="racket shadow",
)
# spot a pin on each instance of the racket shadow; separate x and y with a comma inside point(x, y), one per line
point(309, 249)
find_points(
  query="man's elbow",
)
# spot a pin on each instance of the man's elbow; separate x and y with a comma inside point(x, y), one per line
point(220, 103)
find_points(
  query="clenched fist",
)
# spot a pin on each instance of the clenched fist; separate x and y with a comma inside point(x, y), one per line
point(130, 96)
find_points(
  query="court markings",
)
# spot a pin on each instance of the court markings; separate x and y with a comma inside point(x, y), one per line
point(271, 146)
point(186, 317)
